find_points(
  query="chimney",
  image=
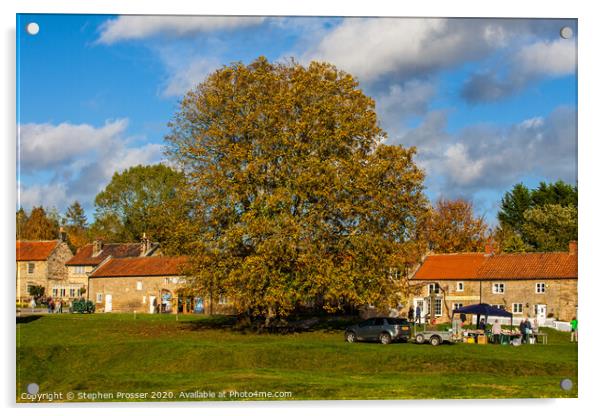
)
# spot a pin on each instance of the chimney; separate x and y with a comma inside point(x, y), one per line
point(96, 247)
point(62, 234)
point(146, 245)
point(573, 248)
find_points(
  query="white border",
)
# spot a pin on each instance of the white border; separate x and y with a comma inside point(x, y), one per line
point(590, 24)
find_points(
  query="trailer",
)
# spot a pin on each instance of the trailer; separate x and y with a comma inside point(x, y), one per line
point(433, 337)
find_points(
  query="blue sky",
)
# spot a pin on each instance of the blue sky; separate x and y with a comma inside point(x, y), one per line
point(487, 102)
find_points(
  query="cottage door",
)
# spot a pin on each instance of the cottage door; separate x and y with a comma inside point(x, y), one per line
point(152, 301)
point(542, 312)
point(108, 303)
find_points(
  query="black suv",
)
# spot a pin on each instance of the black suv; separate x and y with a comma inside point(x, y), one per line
point(383, 330)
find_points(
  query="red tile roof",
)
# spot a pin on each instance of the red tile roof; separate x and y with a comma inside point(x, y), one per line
point(450, 266)
point(35, 250)
point(84, 257)
point(141, 267)
point(530, 266)
point(557, 265)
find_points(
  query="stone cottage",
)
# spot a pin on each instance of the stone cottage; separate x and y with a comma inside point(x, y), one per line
point(42, 263)
point(149, 285)
point(90, 256)
point(534, 285)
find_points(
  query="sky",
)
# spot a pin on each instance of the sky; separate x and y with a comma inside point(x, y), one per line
point(487, 103)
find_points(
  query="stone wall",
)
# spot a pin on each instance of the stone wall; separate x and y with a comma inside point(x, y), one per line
point(560, 296)
point(57, 270)
point(39, 277)
point(134, 294)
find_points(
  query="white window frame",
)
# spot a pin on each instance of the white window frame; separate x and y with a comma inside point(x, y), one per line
point(72, 292)
point(99, 298)
point(539, 285)
point(223, 300)
point(434, 288)
point(499, 306)
point(139, 285)
point(438, 301)
point(514, 309)
point(31, 268)
point(460, 287)
point(498, 288)
point(55, 292)
point(458, 306)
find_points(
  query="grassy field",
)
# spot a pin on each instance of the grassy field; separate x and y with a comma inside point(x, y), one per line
point(112, 353)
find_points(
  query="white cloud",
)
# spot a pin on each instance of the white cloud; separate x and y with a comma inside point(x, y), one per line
point(184, 78)
point(44, 146)
point(495, 157)
point(140, 27)
point(399, 101)
point(528, 63)
point(373, 47)
point(74, 161)
point(556, 58)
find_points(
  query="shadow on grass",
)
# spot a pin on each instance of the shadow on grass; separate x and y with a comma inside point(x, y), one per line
point(292, 325)
point(27, 319)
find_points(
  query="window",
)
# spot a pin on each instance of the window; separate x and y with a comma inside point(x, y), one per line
point(31, 267)
point(498, 288)
point(166, 280)
point(139, 285)
point(499, 306)
point(434, 288)
point(394, 273)
point(55, 292)
point(79, 270)
point(458, 305)
point(367, 322)
point(517, 308)
point(71, 292)
point(63, 292)
point(223, 300)
point(460, 287)
point(99, 298)
point(438, 307)
point(540, 288)
point(379, 322)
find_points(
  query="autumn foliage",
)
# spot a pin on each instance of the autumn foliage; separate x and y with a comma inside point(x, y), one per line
point(297, 200)
point(454, 228)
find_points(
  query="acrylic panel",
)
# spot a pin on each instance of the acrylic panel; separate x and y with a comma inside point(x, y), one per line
point(295, 208)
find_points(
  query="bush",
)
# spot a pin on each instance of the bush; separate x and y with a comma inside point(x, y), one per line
point(83, 306)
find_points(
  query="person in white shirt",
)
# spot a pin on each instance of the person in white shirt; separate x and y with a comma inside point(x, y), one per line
point(496, 330)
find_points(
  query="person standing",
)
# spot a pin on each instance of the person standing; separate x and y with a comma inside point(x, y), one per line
point(496, 330)
point(49, 305)
point(523, 332)
point(574, 330)
point(32, 304)
point(418, 315)
point(411, 314)
point(60, 306)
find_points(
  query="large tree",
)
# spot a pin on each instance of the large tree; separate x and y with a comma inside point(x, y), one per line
point(141, 199)
point(297, 200)
point(76, 225)
point(526, 217)
point(39, 226)
point(21, 222)
point(453, 227)
point(551, 226)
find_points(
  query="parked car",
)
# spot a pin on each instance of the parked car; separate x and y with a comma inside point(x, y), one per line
point(383, 330)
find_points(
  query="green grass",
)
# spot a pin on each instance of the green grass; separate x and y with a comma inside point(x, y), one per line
point(154, 353)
